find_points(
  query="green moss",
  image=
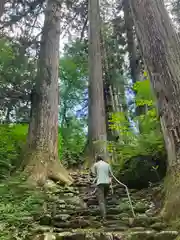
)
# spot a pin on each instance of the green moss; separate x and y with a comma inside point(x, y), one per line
point(171, 210)
point(18, 204)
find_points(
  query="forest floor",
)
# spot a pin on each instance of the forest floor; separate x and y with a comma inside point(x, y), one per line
point(72, 213)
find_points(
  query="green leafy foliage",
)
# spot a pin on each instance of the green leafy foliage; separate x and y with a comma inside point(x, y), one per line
point(73, 104)
point(144, 95)
point(73, 71)
point(73, 85)
point(138, 153)
point(150, 140)
point(18, 204)
point(72, 140)
point(12, 139)
point(17, 74)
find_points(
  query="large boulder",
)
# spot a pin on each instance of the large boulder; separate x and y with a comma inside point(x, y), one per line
point(138, 172)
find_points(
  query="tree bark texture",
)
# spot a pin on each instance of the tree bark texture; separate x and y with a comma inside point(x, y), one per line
point(41, 162)
point(108, 94)
point(160, 48)
point(2, 6)
point(134, 58)
point(132, 49)
point(97, 118)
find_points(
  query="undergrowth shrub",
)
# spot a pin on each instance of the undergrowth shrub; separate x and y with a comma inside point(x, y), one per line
point(140, 158)
point(18, 203)
point(12, 140)
point(72, 140)
point(140, 155)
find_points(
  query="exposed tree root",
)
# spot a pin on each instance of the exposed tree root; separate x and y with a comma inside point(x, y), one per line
point(41, 167)
point(58, 173)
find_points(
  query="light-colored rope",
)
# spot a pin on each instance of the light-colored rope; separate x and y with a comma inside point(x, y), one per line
point(127, 191)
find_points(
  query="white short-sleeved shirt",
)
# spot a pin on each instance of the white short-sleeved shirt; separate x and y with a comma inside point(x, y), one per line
point(102, 171)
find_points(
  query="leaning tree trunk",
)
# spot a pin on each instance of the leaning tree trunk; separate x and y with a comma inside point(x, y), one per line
point(42, 161)
point(134, 59)
point(97, 120)
point(161, 52)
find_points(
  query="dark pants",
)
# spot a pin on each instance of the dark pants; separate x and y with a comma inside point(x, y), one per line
point(102, 192)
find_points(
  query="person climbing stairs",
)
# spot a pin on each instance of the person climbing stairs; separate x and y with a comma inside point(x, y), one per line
point(102, 173)
point(76, 215)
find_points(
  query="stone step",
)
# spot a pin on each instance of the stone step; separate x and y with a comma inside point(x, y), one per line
point(94, 201)
point(112, 212)
point(93, 223)
point(151, 235)
point(109, 218)
point(72, 224)
point(117, 223)
point(115, 217)
point(121, 206)
point(95, 211)
point(145, 221)
point(97, 234)
point(121, 222)
point(115, 197)
point(87, 216)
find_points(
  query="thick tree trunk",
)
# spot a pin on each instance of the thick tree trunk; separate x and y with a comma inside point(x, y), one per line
point(41, 162)
point(135, 67)
point(132, 49)
point(2, 5)
point(97, 121)
point(108, 94)
point(161, 52)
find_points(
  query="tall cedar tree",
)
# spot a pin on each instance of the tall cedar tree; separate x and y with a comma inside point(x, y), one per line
point(97, 121)
point(132, 49)
point(134, 58)
point(42, 162)
point(2, 5)
point(160, 48)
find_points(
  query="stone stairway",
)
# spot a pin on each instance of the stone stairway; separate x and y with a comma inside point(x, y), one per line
point(73, 219)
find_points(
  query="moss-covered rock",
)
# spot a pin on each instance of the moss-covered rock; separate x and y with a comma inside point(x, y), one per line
point(45, 220)
point(166, 235)
point(140, 207)
point(71, 236)
point(62, 217)
point(159, 226)
point(124, 206)
point(137, 171)
point(143, 221)
point(45, 236)
point(141, 235)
